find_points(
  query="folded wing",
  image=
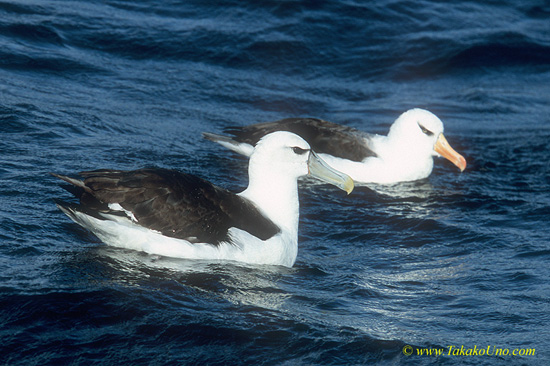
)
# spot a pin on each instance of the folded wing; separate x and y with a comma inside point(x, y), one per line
point(323, 136)
point(175, 204)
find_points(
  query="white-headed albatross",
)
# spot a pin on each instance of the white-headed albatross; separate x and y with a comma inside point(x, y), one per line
point(405, 154)
point(169, 213)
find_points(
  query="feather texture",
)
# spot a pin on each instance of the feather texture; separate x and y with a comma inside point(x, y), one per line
point(323, 136)
point(175, 204)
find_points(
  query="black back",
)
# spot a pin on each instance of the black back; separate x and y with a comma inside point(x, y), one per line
point(323, 136)
point(176, 204)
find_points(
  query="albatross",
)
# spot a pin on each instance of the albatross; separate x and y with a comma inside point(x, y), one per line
point(405, 154)
point(171, 213)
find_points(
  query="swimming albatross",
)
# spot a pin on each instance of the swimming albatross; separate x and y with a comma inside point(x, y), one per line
point(169, 213)
point(405, 154)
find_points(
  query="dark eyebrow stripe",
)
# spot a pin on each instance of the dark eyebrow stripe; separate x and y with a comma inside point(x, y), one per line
point(425, 130)
point(299, 150)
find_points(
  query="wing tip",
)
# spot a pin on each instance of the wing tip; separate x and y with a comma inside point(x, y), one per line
point(67, 208)
point(217, 138)
point(229, 143)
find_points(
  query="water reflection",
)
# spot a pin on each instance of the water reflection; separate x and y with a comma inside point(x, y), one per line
point(238, 283)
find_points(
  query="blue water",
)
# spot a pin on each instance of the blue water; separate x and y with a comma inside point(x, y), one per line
point(454, 260)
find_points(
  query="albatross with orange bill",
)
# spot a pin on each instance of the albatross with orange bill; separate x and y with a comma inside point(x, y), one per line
point(405, 154)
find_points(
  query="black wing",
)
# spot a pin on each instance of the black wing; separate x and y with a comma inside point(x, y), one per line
point(176, 204)
point(323, 136)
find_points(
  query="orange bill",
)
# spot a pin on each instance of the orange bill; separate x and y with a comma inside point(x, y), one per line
point(443, 148)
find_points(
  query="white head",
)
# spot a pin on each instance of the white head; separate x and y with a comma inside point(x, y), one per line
point(285, 154)
point(421, 133)
point(280, 153)
point(419, 128)
point(276, 163)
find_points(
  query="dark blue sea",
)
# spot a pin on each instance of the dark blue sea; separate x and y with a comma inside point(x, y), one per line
point(456, 264)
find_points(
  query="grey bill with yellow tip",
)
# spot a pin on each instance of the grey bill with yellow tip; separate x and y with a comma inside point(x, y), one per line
point(321, 170)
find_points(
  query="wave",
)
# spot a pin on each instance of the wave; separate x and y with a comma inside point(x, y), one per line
point(432, 57)
point(503, 49)
point(45, 64)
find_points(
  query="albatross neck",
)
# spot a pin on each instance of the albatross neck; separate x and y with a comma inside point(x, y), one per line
point(277, 197)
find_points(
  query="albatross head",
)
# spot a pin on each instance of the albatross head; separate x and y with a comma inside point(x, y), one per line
point(284, 154)
point(276, 163)
point(423, 132)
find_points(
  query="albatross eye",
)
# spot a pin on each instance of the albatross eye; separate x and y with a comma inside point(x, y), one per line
point(425, 130)
point(299, 150)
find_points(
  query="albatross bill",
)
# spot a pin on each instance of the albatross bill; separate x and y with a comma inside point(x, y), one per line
point(443, 148)
point(319, 169)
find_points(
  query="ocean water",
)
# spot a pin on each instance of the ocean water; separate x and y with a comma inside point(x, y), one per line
point(456, 263)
